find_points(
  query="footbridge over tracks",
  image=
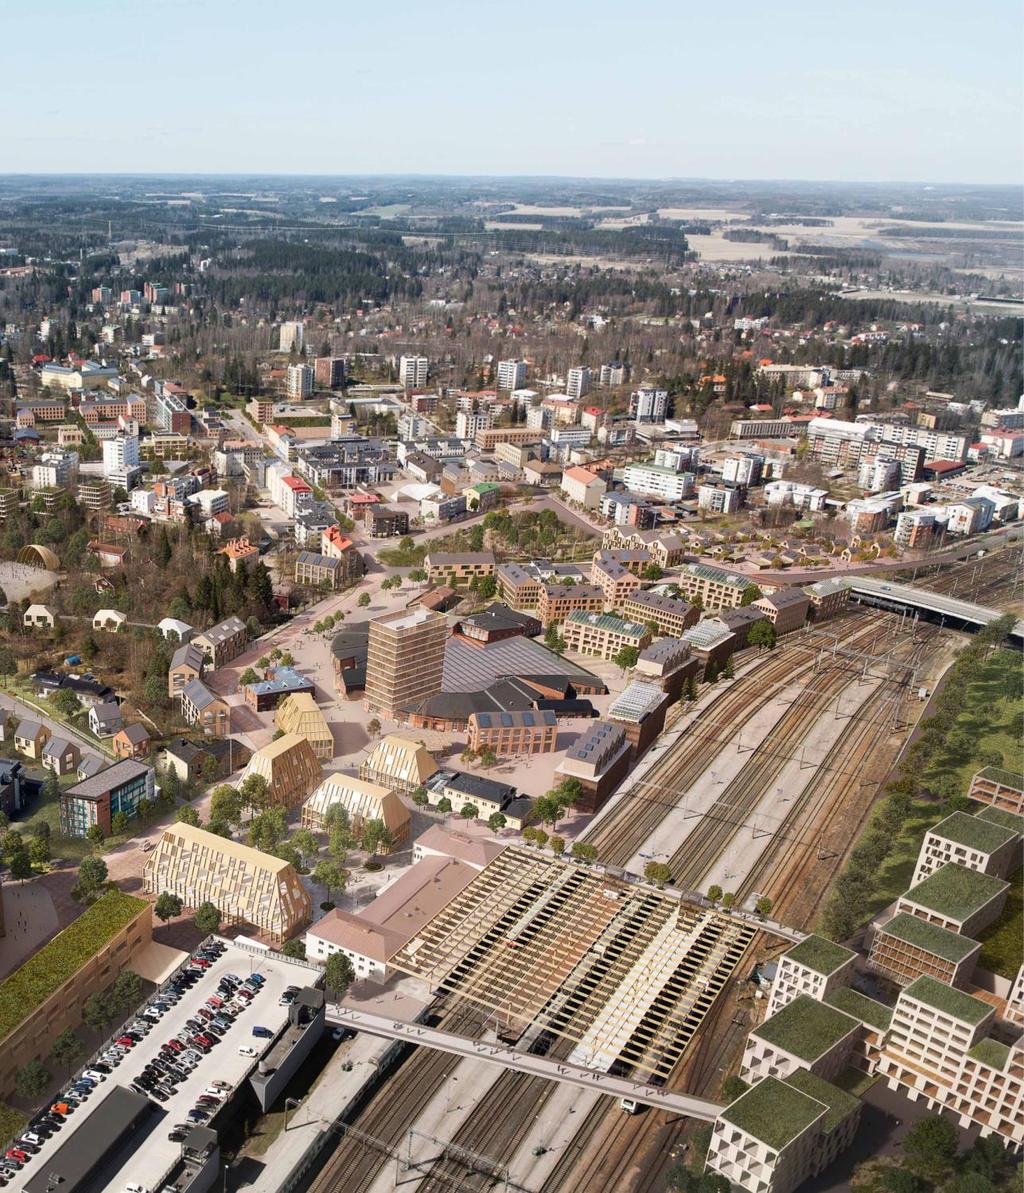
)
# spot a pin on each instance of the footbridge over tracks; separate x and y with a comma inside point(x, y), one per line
point(523, 1062)
point(933, 606)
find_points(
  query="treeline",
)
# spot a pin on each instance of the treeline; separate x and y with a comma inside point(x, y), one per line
point(643, 241)
point(849, 904)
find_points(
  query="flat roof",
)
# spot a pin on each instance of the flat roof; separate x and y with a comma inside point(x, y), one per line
point(972, 832)
point(817, 953)
point(941, 942)
point(805, 1028)
point(949, 1001)
point(774, 1112)
point(1005, 778)
point(955, 891)
point(407, 619)
point(991, 1053)
point(841, 1105)
point(1008, 820)
point(852, 1002)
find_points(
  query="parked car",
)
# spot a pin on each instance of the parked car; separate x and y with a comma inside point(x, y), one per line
point(245, 1050)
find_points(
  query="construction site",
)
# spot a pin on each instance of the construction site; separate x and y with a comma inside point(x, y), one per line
point(760, 787)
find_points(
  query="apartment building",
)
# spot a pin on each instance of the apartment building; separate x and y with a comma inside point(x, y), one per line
point(384, 521)
point(714, 499)
point(245, 885)
point(783, 493)
point(745, 469)
point(412, 371)
point(648, 405)
point(292, 335)
point(558, 601)
point(658, 481)
point(907, 948)
point(299, 382)
point(205, 709)
point(458, 569)
point(363, 801)
point(956, 898)
point(999, 788)
point(187, 663)
point(713, 587)
point(398, 763)
point(786, 609)
point(511, 374)
point(518, 588)
point(977, 842)
point(815, 967)
point(805, 1034)
point(617, 582)
point(584, 487)
point(602, 635)
point(315, 570)
point(672, 617)
point(223, 642)
point(290, 768)
point(513, 733)
point(329, 372)
point(405, 659)
point(96, 800)
point(299, 716)
point(578, 382)
point(599, 761)
point(828, 598)
point(781, 1133)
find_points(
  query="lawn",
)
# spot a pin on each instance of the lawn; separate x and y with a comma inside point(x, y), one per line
point(894, 875)
point(12, 1123)
point(70, 848)
point(402, 557)
point(1002, 945)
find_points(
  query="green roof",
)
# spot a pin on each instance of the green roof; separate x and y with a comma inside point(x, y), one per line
point(819, 954)
point(62, 957)
point(605, 621)
point(705, 571)
point(991, 1053)
point(773, 1112)
point(972, 832)
point(841, 1105)
point(944, 998)
point(852, 1002)
point(950, 946)
point(1008, 820)
point(1005, 778)
point(955, 891)
point(805, 1028)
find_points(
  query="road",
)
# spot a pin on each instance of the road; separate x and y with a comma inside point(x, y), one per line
point(23, 710)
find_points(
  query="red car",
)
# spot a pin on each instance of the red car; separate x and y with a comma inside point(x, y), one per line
point(203, 1039)
point(201, 962)
point(214, 1001)
point(125, 1042)
point(176, 1045)
point(15, 1153)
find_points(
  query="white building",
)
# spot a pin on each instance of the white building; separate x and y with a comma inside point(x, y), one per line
point(412, 371)
point(742, 470)
point(469, 422)
point(815, 966)
point(292, 336)
point(717, 500)
point(984, 843)
point(578, 382)
point(680, 457)
point(300, 381)
point(584, 487)
point(804, 1034)
point(55, 470)
point(120, 455)
point(648, 405)
point(511, 374)
point(659, 482)
point(971, 516)
point(878, 475)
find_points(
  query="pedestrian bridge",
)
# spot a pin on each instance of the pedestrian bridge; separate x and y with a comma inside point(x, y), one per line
point(935, 606)
point(523, 1062)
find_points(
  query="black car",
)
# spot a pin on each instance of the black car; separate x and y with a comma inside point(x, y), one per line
point(158, 1093)
point(177, 1136)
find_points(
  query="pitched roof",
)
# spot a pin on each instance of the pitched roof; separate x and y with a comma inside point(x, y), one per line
point(136, 733)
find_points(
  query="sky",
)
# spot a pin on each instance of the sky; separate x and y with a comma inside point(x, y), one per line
point(905, 90)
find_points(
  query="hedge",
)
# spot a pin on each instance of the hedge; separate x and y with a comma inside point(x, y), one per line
point(46, 971)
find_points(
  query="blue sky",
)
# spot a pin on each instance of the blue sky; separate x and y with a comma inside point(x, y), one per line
point(901, 90)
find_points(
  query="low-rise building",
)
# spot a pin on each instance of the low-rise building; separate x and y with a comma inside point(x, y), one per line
point(972, 841)
point(907, 947)
point(602, 635)
point(289, 767)
point(223, 642)
point(512, 733)
point(956, 898)
point(785, 609)
point(95, 801)
point(363, 801)
point(132, 741)
point(713, 587)
point(105, 719)
point(828, 598)
point(30, 737)
point(205, 709)
point(805, 1034)
point(459, 788)
point(278, 682)
point(244, 884)
point(584, 487)
point(670, 615)
point(1000, 788)
point(39, 617)
point(559, 601)
point(299, 714)
point(599, 761)
point(398, 763)
point(60, 756)
point(616, 582)
point(457, 569)
point(187, 664)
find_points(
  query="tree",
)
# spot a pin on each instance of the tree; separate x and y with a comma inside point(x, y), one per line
point(186, 814)
point(420, 798)
point(373, 727)
point(728, 900)
point(66, 702)
point(750, 594)
point(268, 829)
point(206, 918)
point(487, 757)
point(444, 805)
point(39, 851)
point(127, 989)
point(582, 851)
point(167, 906)
point(557, 845)
point(930, 1147)
point(226, 804)
point(95, 834)
point(32, 1079)
point(468, 755)
point(248, 676)
point(8, 665)
point(762, 633)
point(548, 808)
point(733, 1088)
point(66, 1049)
point(376, 837)
point(469, 812)
point(553, 640)
point(331, 876)
point(92, 878)
point(658, 872)
point(253, 790)
point(626, 658)
point(729, 670)
point(763, 907)
point(364, 600)
point(690, 689)
point(715, 893)
point(540, 838)
point(496, 821)
point(338, 975)
point(119, 823)
point(488, 587)
point(294, 948)
point(305, 844)
point(651, 571)
point(97, 1012)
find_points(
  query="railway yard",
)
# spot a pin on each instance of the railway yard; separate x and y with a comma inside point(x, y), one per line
point(762, 787)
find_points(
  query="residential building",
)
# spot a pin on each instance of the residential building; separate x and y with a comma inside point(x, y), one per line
point(363, 801)
point(584, 487)
point(459, 569)
point(245, 885)
point(518, 587)
point(715, 499)
point(117, 788)
point(385, 522)
point(907, 947)
point(616, 582)
point(781, 493)
point(658, 481)
point(329, 371)
point(299, 382)
point(277, 683)
point(745, 469)
point(956, 898)
point(828, 598)
point(815, 967)
point(670, 615)
point(290, 768)
point(786, 609)
point(299, 715)
point(223, 642)
point(398, 763)
point(616, 372)
point(648, 405)
point(39, 617)
point(120, 457)
point(412, 371)
point(559, 601)
point(316, 570)
point(460, 789)
point(1000, 788)
point(60, 756)
point(205, 709)
point(976, 842)
point(132, 741)
point(405, 659)
point(187, 663)
point(578, 382)
point(105, 719)
point(512, 733)
point(292, 335)
point(172, 413)
point(511, 374)
point(804, 1034)
point(240, 552)
point(488, 438)
point(973, 515)
point(602, 635)
point(715, 588)
point(468, 423)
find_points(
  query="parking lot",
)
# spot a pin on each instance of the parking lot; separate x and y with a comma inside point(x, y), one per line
point(155, 1153)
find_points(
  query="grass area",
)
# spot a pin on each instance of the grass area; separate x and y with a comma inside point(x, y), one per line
point(402, 557)
point(47, 810)
point(894, 875)
point(1002, 945)
point(12, 1122)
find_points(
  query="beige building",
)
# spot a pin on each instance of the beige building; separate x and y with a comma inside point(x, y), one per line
point(245, 885)
point(713, 587)
point(977, 842)
point(518, 588)
point(956, 898)
point(299, 715)
point(558, 601)
point(404, 660)
point(816, 966)
point(223, 642)
point(187, 664)
point(584, 487)
point(805, 1034)
point(458, 568)
point(511, 733)
point(907, 947)
point(290, 768)
point(672, 617)
point(1001, 788)
point(602, 635)
point(398, 763)
point(786, 609)
point(615, 581)
point(363, 801)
